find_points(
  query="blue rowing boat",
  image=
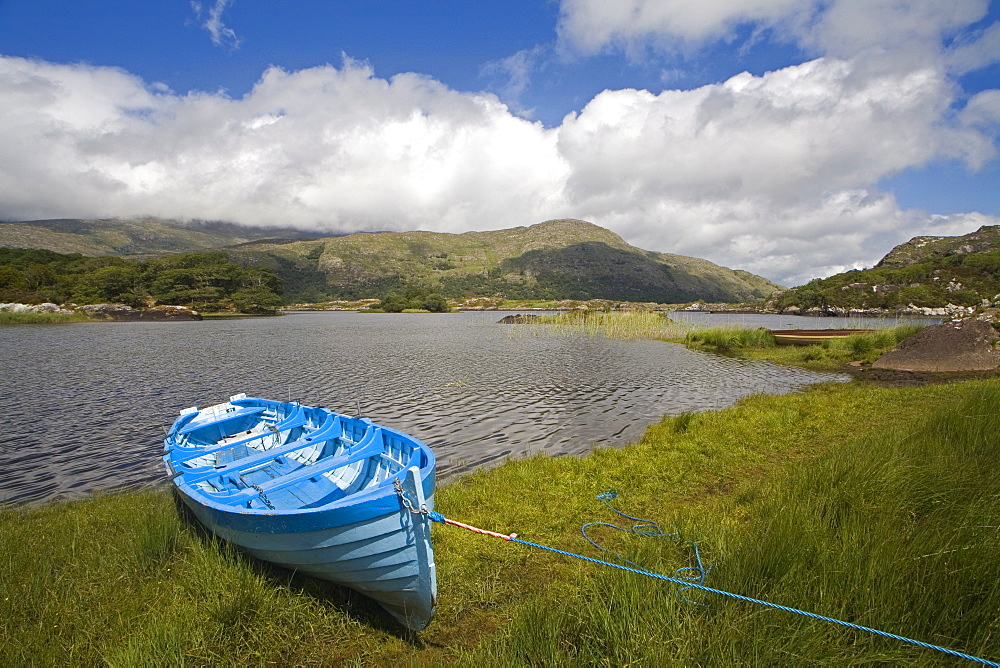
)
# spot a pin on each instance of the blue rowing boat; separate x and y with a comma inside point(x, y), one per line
point(333, 496)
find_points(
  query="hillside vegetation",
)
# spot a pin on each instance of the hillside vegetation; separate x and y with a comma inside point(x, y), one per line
point(925, 271)
point(558, 259)
point(202, 281)
point(140, 236)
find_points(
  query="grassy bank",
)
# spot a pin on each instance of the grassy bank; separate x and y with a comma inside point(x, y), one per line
point(10, 318)
point(874, 505)
point(756, 343)
point(830, 354)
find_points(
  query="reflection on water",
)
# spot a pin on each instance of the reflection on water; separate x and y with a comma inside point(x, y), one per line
point(85, 404)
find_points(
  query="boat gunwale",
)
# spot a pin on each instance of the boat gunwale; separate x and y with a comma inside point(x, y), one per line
point(234, 515)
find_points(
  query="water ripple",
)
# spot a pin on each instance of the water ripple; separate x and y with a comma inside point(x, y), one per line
point(86, 404)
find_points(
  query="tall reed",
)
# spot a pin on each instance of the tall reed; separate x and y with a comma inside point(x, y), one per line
point(612, 324)
point(725, 339)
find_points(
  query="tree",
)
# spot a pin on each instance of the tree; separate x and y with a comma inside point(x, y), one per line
point(435, 303)
point(122, 284)
point(257, 300)
point(392, 303)
point(11, 278)
point(39, 275)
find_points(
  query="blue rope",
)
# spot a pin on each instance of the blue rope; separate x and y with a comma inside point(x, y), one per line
point(650, 528)
point(689, 584)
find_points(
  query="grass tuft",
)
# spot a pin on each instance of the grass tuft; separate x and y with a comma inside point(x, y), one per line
point(724, 339)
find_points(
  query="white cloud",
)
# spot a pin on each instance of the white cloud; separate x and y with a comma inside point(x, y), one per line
point(983, 110)
point(978, 50)
point(840, 28)
point(590, 26)
point(515, 73)
point(221, 34)
point(775, 174)
point(847, 27)
point(323, 147)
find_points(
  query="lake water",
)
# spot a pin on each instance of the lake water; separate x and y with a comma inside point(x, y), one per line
point(85, 404)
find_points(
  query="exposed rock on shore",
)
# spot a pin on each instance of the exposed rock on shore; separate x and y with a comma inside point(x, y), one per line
point(966, 345)
point(35, 308)
point(116, 312)
point(518, 319)
point(946, 311)
point(125, 313)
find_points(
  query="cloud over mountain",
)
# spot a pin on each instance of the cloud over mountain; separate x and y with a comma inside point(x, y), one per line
point(777, 174)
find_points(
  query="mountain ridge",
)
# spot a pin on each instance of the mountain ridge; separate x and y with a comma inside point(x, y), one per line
point(143, 236)
point(560, 258)
point(925, 272)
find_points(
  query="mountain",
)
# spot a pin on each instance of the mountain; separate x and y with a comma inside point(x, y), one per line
point(937, 249)
point(924, 271)
point(557, 259)
point(133, 237)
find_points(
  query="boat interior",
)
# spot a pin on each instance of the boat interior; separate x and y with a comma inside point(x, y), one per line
point(261, 457)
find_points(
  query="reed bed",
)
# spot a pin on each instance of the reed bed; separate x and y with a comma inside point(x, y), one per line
point(874, 505)
point(611, 324)
point(725, 339)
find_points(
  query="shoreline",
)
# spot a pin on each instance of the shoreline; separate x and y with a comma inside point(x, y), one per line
point(187, 596)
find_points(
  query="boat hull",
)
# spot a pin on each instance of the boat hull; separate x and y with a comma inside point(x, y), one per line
point(367, 540)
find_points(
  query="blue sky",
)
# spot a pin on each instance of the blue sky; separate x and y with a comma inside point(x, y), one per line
point(792, 138)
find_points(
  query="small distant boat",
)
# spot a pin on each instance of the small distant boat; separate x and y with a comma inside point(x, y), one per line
point(805, 337)
point(333, 496)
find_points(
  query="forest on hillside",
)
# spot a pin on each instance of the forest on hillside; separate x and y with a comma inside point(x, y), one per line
point(202, 281)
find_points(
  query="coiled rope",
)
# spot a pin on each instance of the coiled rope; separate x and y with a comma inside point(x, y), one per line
point(695, 581)
point(649, 528)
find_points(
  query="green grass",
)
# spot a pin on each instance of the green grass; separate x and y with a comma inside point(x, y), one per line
point(750, 343)
point(874, 505)
point(618, 325)
point(831, 354)
point(895, 530)
point(725, 339)
point(9, 318)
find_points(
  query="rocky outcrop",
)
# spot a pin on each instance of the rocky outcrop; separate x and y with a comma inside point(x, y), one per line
point(518, 319)
point(125, 313)
point(35, 308)
point(946, 311)
point(965, 345)
point(116, 312)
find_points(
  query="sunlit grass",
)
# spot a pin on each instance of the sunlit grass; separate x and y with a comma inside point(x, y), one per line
point(734, 340)
point(894, 529)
